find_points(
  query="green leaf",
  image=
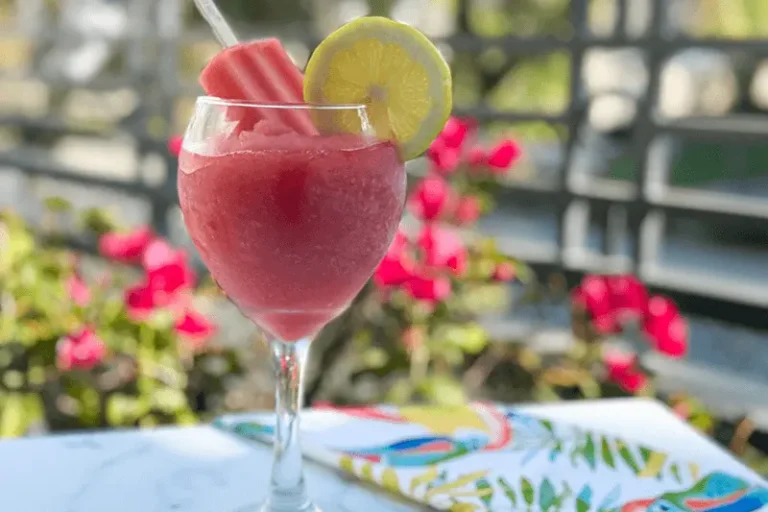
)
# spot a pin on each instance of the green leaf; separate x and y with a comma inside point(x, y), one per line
point(483, 485)
point(169, 400)
point(547, 495)
point(124, 409)
point(527, 489)
point(626, 455)
point(443, 390)
point(96, 220)
point(375, 358)
point(13, 416)
point(675, 470)
point(400, 392)
point(645, 453)
point(508, 491)
point(607, 454)
point(470, 338)
point(547, 425)
point(589, 451)
point(57, 204)
point(584, 499)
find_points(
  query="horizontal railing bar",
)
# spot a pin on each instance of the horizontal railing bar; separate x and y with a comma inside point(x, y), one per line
point(32, 165)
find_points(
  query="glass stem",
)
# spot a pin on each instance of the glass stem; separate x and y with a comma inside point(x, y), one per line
point(287, 489)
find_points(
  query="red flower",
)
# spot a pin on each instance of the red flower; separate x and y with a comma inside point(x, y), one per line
point(397, 267)
point(594, 297)
point(443, 248)
point(431, 198)
point(194, 328)
point(140, 302)
point(399, 243)
point(660, 309)
point(624, 371)
point(456, 132)
point(503, 272)
point(394, 270)
point(503, 155)
point(427, 288)
point(159, 253)
point(168, 278)
point(665, 327)
point(78, 291)
point(442, 158)
point(446, 151)
point(174, 144)
point(81, 351)
point(610, 300)
point(629, 295)
point(125, 247)
point(467, 211)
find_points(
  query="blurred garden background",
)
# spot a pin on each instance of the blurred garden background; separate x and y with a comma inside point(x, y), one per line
point(593, 222)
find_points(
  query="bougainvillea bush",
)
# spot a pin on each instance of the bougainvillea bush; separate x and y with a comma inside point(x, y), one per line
point(413, 329)
point(116, 344)
point(417, 332)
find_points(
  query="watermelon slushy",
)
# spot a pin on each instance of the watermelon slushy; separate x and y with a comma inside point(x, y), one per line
point(292, 226)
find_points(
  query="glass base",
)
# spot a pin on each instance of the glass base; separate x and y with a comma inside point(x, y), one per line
point(269, 506)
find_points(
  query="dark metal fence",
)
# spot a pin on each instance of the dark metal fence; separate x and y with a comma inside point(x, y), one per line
point(633, 212)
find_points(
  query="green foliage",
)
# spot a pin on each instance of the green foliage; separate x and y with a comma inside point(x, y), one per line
point(148, 376)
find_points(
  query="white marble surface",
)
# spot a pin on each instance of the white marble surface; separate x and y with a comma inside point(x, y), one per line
point(200, 469)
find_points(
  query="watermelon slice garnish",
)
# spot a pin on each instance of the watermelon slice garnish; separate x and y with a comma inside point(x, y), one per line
point(259, 72)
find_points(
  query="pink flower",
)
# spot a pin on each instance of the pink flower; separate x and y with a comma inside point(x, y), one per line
point(174, 144)
point(665, 327)
point(623, 370)
point(159, 253)
point(78, 291)
point(456, 132)
point(399, 243)
point(164, 286)
point(629, 296)
point(140, 302)
point(394, 270)
point(594, 297)
point(81, 351)
point(168, 281)
point(194, 328)
point(503, 272)
point(429, 289)
point(430, 198)
point(503, 155)
point(126, 247)
point(611, 300)
point(397, 267)
point(446, 151)
point(467, 211)
point(443, 248)
point(443, 159)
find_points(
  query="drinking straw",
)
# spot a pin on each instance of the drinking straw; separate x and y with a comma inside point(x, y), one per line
point(221, 29)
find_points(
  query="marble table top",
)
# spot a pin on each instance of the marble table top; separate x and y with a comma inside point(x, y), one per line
point(200, 469)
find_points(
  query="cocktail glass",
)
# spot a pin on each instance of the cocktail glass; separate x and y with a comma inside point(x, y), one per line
point(291, 222)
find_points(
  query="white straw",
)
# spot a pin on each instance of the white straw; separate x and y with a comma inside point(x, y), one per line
point(221, 29)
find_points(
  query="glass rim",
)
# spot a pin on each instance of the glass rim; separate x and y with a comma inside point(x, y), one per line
point(213, 100)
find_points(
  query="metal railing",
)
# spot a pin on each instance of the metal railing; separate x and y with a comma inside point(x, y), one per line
point(635, 210)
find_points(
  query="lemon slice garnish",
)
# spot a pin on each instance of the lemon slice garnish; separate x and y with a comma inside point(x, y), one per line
point(392, 69)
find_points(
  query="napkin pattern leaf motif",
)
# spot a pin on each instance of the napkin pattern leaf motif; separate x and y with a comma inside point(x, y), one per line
point(487, 457)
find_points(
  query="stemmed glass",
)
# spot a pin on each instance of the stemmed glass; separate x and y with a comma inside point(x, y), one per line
point(291, 207)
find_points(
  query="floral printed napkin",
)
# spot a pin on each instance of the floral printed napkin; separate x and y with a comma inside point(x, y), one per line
point(489, 457)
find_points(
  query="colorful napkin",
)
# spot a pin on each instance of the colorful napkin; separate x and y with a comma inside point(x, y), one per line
point(489, 457)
